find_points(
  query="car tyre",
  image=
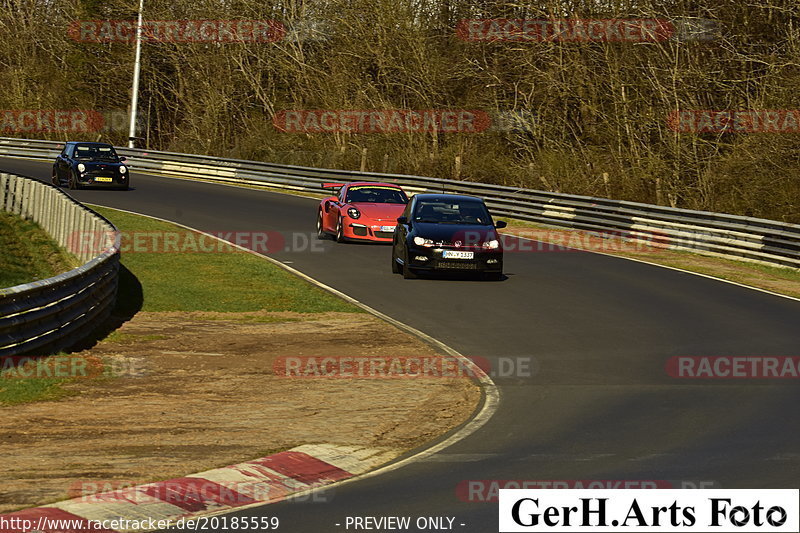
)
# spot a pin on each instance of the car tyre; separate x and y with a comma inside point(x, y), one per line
point(339, 231)
point(55, 179)
point(395, 264)
point(408, 273)
point(73, 182)
point(320, 231)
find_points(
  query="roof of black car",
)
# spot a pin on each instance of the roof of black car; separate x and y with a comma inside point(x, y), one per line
point(449, 197)
point(88, 142)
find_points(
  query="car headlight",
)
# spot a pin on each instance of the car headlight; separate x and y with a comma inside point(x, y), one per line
point(122, 169)
point(419, 241)
point(353, 213)
point(81, 167)
point(494, 244)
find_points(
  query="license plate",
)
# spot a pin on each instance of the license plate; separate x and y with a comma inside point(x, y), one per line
point(452, 254)
point(387, 228)
point(104, 179)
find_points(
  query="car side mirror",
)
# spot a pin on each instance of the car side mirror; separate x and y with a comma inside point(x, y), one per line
point(402, 220)
point(500, 224)
point(123, 158)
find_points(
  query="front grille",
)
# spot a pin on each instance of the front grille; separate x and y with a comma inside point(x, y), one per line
point(457, 265)
point(463, 247)
point(361, 232)
point(384, 234)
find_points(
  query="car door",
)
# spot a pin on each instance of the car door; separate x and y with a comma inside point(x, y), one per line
point(62, 163)
point(335, 207)
point(401, 231)
point(57, 163)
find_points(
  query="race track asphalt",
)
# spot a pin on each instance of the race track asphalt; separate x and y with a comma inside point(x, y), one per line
point(598, 330)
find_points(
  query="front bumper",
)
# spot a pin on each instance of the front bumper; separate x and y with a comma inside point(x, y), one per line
point(432, 259)
point(107, 180)
point(368, 231)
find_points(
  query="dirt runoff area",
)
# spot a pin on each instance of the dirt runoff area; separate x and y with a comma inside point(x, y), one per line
point(194, 391)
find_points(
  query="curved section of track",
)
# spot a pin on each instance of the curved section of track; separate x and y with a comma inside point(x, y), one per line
point(599, 329)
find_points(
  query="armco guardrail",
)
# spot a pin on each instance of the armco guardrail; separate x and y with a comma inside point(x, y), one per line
point(745, 238)
point(47, 315)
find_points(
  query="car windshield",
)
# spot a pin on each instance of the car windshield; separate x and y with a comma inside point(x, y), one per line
point(376, 195)
point(94, 152)
point(468, 212)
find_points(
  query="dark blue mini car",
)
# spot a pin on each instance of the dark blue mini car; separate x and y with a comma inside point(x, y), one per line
point(88, 164)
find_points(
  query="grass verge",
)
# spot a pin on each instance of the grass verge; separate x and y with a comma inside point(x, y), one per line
point(228, 281)
point(29, 253)
point(18, 391)
point(30, 379)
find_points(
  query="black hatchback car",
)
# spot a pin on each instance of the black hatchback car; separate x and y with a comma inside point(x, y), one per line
point(447, 232)
point(83, 164)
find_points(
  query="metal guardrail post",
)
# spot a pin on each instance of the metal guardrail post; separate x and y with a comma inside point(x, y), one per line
point(68, 219)
point(3, 184)
point(16, 203)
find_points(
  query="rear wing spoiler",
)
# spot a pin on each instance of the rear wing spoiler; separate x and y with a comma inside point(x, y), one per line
point(332, 185)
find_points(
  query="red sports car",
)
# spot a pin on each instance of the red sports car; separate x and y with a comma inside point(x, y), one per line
point(361, 210)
